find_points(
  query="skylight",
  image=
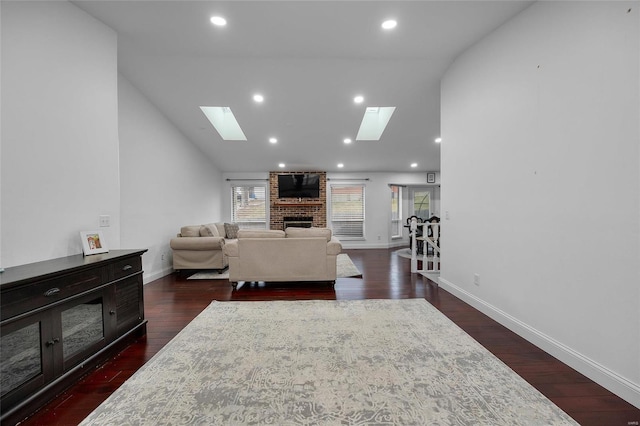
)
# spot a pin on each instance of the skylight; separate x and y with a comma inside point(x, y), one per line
point(374, 122)
point(224, 122)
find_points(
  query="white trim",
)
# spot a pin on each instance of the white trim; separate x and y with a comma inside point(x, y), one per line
point(380, 245)
point(600, 374)
point(147, 278)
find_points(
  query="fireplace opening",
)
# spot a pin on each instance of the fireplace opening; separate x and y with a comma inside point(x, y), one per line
point(297, 221)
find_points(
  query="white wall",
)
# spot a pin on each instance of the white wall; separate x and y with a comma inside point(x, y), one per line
point(540, 131)
point(78, 142)
point(59, 169)
point(167, 182)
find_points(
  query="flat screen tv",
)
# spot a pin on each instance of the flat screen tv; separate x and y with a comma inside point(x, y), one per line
point(305, 185)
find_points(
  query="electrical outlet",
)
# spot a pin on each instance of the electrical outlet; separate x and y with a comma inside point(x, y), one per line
point(476, 279)
point(162, 257)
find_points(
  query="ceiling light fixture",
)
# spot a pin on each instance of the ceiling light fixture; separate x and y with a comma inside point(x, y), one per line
point(258, 98)
point(389, 24)
point(347, 140)
point(414, 165)
point(358, 99)
point(273, 140)
point(281, 165)
point(438, 140)
point(218, 21)
point(340, 165)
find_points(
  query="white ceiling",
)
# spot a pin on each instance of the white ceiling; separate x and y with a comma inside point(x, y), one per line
point(309, 59)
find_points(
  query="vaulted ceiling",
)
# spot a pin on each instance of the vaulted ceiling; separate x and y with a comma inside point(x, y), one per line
point(309, 59)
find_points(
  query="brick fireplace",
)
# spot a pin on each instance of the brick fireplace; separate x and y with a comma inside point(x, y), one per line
point(310, 210)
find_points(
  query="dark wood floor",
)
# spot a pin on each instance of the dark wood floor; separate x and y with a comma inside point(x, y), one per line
point(172, 302)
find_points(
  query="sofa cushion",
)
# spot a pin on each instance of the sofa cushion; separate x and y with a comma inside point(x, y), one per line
point(190, 231)
point(209, 230)
point(295, 232)
point(260, 233)
point(220, 227)
point(231, 230)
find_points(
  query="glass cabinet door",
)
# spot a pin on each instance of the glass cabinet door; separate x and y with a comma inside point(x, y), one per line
point(21, 361)
point(82, 327)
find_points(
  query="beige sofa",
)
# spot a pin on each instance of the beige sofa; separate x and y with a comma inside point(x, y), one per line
point(296, 254)
point(200, 247)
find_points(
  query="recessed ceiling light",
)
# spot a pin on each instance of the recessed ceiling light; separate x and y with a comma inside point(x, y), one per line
point(273, 140)
point(340, 165)
point(258, 98)
point(438, 140)
point(358, 99)
point(218, 21)
point(281, 165)
point(414, 165)
point(347, 140)
point(389, 24)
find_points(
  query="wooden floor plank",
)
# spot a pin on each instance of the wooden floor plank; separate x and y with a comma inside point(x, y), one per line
point(173, 301)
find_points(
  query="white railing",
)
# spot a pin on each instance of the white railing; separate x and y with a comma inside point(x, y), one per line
point(435, 244)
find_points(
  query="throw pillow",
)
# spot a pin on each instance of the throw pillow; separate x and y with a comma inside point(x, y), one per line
point(210, 230)
point(190, 231)
point(231, 230)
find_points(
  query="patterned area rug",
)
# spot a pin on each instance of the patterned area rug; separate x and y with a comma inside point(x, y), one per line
point(344, 264)
point(319, 362)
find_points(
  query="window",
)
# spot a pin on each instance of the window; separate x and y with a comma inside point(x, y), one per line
point(396, 211)
point(421, 203)
point(249, 206)
point(347, 211)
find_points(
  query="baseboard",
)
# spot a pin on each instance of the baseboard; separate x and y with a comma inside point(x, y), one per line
point(377, 245)
point(600, 374)
point(147, 278)
point(354, 246)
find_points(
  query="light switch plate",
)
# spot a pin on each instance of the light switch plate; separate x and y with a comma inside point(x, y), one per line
point(105, 221)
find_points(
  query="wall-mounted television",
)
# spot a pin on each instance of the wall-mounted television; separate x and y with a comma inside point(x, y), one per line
point(303, 185)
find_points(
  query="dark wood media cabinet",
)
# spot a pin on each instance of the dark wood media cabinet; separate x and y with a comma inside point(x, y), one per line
point(59, 319)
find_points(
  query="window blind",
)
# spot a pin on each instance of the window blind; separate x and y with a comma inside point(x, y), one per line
point(347, 211)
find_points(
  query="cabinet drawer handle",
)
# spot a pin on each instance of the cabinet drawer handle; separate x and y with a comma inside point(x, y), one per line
point(52, 342)
point(51, 291)
point(127, 267)
point(112, 312)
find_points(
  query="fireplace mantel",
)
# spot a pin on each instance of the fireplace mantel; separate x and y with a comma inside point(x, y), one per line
point(296, 204)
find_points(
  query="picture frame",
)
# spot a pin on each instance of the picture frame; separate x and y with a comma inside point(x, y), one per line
point(431, 178)
point(93, 242)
